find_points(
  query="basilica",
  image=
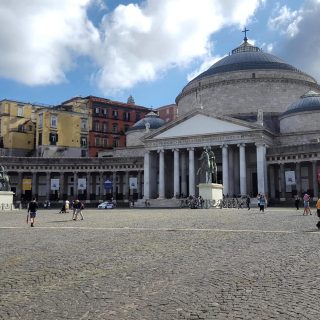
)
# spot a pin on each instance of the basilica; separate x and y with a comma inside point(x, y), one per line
point(258, 114)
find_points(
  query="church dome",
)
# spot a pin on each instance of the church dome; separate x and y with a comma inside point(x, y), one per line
point(310, 101)
point(151, 121)
point(246, 81)
point(247, 61)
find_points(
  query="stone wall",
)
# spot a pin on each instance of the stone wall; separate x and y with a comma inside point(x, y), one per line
point(300, 121)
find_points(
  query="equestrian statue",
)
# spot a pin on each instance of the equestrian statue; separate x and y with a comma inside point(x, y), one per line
point(208, 165)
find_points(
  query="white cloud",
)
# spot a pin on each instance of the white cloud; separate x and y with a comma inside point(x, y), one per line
point(285, 20)
point(40, 38)
point(141, 42)
point(302, 47)
point(43, 38)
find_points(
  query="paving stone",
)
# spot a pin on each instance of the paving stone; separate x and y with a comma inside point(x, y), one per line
point(160, 264)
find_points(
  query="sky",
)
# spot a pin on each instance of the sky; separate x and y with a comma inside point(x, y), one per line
point(53, 50)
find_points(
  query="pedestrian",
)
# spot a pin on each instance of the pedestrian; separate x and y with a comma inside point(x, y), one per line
point(32, 211)
point(248, 201)
point(74, 208)
point(63, 209)
point(306, 205)
point(67, 205)
point(318, 212)
point(262, 202)
point(258, 197)
point(79, 208)
point(297, 201)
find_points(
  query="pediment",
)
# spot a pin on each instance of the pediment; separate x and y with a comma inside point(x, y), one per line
point(200, 124)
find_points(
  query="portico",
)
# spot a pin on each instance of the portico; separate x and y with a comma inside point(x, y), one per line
point(240, 152)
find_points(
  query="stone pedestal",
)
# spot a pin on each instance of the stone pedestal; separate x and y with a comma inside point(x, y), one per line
point(211, 191)
point(6, 200)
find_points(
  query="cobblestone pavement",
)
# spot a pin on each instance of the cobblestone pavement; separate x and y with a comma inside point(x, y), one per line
point(160, 264)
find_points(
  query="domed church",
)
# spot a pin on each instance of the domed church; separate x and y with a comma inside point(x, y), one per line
point(257, 113)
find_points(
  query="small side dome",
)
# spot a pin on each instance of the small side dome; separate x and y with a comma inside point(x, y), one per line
point(310, 101)
point(150, 121)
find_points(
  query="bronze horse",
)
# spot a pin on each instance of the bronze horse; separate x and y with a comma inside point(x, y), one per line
point(208, 165)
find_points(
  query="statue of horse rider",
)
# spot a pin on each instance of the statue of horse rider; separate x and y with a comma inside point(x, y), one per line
point(208, 165)
point(4, 180)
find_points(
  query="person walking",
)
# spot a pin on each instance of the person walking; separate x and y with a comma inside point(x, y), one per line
point(67, 204)
point(297, 201)
point(318, 212)
point(32, 211)
point(306, 205)
point(248, 201)
point(262, 202)
point(79, 207)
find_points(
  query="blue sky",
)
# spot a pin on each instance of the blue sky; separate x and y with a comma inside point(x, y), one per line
point(148, 49)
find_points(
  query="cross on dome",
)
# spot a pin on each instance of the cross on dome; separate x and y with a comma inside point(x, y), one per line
point(245, 34)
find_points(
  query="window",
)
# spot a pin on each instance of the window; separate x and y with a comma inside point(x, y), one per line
point(20, 111)
point(105, 112)
point(115, 142)
point(138, 116)
point(126, 127)
point(53, 121)
point(105, 142)
point(40, 120)
point(115, 128)
point(97, 142)
point(53, 138)
point(83, 141)
point(83, 153)
point(96, 126)
point(30, 128)
point(115, 114)
point(96, 110)
point(84, 124)
point(126, 116)
point(40, 139)
point(105, 127)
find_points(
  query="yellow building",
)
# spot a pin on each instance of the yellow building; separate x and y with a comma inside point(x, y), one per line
point(17, 128)
point(62, 132)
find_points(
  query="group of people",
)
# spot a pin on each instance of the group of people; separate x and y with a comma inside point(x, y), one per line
point(77, 207)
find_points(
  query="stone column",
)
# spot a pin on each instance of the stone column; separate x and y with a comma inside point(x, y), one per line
point(272, 182)
point(298, 178)
point(231, 175)
point(183, 174)
point(225, 169)
point(75, 185)
point(161, 175)
point(34, 185)
point(176, 178)
point(192, 187)
point(146, 171)
point(114, 184)
point(126, 186)
point(261, 167)
point(139, 185)
point(48, 181)
point(19, 186)
point(282, 182)
point(315, 180)
point(88, 186)
point(61, 188)
point(243, 169)
point(101, 187)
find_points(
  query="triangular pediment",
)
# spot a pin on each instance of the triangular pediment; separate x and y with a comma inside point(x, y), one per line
point(200, 124)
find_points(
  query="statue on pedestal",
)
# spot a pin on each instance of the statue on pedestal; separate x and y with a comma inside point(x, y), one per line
point(208, 165)
point(4, 180)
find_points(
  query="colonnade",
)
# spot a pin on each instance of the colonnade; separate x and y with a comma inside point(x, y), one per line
point(181, 170)
point(94, 189)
